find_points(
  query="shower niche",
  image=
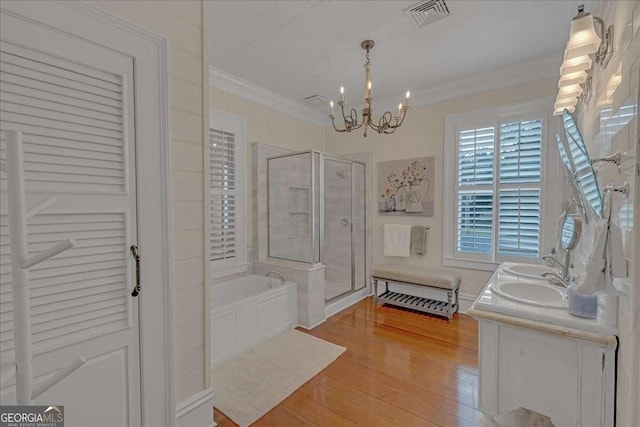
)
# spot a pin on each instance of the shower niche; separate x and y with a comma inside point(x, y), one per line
point(317, 215)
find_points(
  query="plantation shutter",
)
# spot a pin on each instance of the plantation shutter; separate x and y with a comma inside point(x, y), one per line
point(222, 195)
point(474, 221)
point(519, 198)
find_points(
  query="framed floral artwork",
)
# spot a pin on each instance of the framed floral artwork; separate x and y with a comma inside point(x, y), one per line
point(406, 187)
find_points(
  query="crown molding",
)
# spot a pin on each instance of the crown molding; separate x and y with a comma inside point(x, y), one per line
point(230, 83)
point(483, 82)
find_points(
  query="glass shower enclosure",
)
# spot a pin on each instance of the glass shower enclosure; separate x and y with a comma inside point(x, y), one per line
point(317, 214)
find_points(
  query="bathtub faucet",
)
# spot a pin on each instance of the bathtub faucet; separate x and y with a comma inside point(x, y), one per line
point(277, 273)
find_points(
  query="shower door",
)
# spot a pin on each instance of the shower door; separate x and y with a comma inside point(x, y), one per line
point(342, 225)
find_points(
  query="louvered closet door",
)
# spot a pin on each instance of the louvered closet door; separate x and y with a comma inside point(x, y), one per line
point(73, 100)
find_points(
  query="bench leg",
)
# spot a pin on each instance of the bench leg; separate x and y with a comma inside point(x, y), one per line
point(451, 310)
point(375, 290)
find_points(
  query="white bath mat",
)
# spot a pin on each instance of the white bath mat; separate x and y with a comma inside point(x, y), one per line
point(252, 383)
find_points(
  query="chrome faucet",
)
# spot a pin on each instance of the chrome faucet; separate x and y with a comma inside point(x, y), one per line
point(277, 273)
point(555, 279)
point(551, 260)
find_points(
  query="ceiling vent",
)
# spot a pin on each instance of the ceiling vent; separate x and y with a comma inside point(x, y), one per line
point(315, 100)
point(426, 12)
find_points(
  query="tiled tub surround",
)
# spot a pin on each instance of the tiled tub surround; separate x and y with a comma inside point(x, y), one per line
point(310, 287)
point(248, 310)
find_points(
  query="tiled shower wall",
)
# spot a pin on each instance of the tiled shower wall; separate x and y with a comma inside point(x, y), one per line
point(338, 256)
point(337, 224)
point(290, 207)
point(609, 123)
point(259, 196)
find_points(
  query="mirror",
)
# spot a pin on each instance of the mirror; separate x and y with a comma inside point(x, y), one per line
point(581, 164)
point(570, 231)
point(573, 184)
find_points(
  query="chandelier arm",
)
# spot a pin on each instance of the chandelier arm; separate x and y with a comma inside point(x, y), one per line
point(348, 120)
point(391, 130)
point(344, 117)
point(334, 126)
point(404, 114)
point(354, 118)
point(388, 117)
point(342, 110)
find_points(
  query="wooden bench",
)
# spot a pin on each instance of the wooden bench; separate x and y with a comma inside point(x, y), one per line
point(441, 284)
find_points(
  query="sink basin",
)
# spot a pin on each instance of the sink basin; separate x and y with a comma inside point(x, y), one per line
point(538, 294)
point(530, 271)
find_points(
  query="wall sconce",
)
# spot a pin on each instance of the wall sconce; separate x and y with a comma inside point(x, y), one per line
point(575, 65)
point(585, 96)
point(584, 41)
point(578, 77)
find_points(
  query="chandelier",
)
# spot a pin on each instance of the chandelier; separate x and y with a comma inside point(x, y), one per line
point(387, 123)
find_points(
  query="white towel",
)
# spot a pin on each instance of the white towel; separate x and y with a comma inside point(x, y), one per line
point(618, 263)
point(593, 279)
point(397, 240)
point(419, 239)
point(606, 262)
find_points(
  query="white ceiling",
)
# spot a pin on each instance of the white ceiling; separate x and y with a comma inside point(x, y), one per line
point(303, 48)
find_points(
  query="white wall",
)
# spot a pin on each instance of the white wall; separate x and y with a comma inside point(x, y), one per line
point(182, 22)
point(604, 137)
point(422, 134)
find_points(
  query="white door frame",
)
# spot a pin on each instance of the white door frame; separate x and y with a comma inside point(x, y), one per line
point(96, 26)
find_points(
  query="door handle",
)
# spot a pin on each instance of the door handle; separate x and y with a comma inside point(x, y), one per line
point(136, 257)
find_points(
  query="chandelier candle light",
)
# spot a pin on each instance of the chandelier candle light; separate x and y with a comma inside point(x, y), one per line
point(387, 123)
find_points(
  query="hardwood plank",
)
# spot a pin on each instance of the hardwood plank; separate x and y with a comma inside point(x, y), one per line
point(401, 368)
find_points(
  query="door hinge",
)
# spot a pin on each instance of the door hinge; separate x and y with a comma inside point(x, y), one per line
point(136, 257)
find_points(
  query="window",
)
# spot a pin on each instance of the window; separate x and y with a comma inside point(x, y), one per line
point(227, 245)
point(494, 163)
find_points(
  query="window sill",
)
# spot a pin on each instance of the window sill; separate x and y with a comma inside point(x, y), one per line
point(470, 264)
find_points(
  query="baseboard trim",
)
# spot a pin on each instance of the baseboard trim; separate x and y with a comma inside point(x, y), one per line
point(345, 302)
point(196, 411)
point(465, 301)
point(312, 326)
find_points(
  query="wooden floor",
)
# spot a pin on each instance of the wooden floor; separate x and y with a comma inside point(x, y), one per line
point(401, 368)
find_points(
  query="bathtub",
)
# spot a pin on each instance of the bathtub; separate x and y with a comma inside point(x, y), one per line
point(248, 310)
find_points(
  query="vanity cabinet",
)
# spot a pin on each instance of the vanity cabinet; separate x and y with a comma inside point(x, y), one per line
point(566, 375)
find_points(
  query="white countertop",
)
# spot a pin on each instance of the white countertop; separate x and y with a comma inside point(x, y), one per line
point(489, 305)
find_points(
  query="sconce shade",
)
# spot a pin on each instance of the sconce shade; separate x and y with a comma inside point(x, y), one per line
point(565, 103)
point(578, 77)
point(569, 91)
point(558, 111)
point(583, 39)
point(570, 66)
